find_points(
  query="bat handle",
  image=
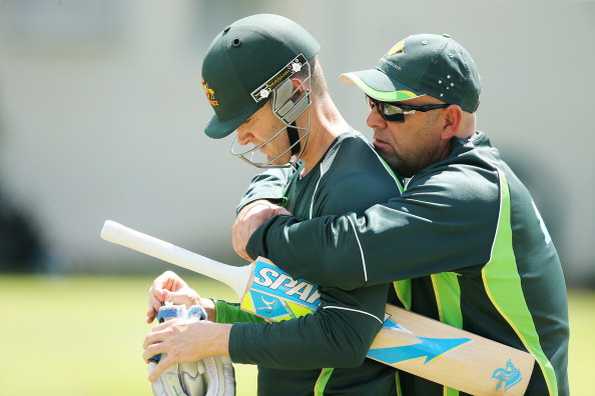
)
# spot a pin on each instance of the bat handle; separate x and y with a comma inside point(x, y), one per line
point(235, 277)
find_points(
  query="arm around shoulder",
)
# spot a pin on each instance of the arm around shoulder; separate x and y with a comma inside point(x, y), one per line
point(439, 224)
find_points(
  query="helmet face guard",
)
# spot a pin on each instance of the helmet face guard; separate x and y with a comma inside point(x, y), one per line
point(287, 103)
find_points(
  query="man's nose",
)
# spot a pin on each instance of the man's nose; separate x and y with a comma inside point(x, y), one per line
point(375, 120)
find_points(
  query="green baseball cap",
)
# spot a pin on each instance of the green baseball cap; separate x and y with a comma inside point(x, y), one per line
point(423, 64)
point(243, 57)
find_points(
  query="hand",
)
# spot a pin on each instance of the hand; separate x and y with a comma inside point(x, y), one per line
point(169, 286)
point(249, 219)
point(183, 340)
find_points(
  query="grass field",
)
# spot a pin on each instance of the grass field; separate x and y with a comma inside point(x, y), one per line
point(83, 336)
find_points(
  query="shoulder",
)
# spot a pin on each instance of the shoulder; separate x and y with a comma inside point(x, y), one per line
point(355, 158)
point(468, 176)
point(357, 177)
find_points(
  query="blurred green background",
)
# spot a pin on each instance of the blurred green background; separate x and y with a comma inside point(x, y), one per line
point(83, 336)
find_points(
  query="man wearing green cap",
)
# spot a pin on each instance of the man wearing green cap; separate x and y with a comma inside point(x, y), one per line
point(465, 229)
point(263, 80)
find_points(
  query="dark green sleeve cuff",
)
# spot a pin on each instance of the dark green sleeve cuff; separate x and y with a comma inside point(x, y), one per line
point(238, 340)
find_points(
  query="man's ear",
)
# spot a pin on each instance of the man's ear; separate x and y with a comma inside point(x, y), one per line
point(298, 88)
point(296, 83)
point(451, 122)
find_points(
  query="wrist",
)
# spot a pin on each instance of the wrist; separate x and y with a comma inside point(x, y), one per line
point(209, 307)
point(261, 202)
point(217, 340)
point(224, 340)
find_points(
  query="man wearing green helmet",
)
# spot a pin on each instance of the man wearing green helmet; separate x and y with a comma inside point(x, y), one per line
point(264, 81)
point(465, 229)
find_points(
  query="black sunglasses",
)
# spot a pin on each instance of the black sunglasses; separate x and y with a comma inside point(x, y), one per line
point(396, 111)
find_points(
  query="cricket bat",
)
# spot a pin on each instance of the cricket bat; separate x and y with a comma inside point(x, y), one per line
point(407, 341)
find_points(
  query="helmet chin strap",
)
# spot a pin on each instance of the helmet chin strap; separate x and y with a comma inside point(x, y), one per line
point(294, 139)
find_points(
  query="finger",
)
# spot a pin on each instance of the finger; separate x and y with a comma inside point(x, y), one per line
point(155, 307)
point(163, 365)
point(157, 304)
point(163, 326)
point(169, 284)
point(155, 299)
point(153, 296)
point(152, 306)
point(155, 337)
point(165, 295)
point(240, 249)
point(174, 282)
point(152, 310)
point(179, 298)
point(245, 256)
point(240, 242)
point(282, 211)
point(150, 316)
point(237, 246)
point(154, 349)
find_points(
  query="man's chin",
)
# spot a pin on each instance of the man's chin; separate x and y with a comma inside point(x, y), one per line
point(387, 156)
point(395, 163)
point(278, 161)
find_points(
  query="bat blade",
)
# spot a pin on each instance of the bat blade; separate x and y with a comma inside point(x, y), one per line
point(407, 341)
point(450, 356)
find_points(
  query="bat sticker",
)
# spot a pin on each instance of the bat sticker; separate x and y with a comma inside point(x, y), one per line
point(507, 376)
point(268, 306)
point(271, 280)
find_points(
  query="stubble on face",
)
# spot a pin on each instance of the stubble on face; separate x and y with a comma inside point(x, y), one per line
point(262, 126)
point(409, 147)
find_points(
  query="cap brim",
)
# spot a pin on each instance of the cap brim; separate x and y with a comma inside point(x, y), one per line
point(379, 86)
point(218, 129)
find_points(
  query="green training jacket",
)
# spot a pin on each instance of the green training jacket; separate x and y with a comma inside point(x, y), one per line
point(468, 234)
point(322, 353)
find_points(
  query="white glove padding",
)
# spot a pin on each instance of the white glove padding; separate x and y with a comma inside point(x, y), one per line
point(213, 376)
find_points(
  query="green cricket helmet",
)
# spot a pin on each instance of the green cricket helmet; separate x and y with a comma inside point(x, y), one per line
point(250, 62)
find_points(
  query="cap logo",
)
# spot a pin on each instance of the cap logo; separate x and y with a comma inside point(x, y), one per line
point(210, 92)
point(397, 48)
point(293, 67)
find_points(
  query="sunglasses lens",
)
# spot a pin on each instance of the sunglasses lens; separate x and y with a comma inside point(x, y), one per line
point(391, 110)
point(386, 110)
point(399, 117)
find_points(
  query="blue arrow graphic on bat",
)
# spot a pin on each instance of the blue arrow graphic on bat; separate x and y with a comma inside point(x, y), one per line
point(431, 348)
point(391, 324)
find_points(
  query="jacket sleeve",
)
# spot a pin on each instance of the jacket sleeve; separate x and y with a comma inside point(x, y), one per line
point(338, 334)
point(269, 185)
point(439, 224)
